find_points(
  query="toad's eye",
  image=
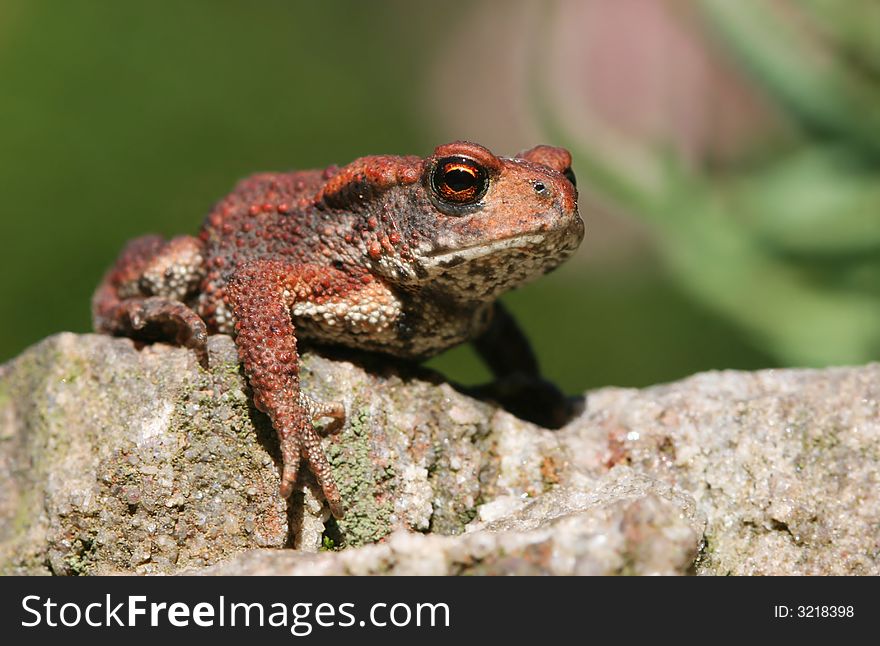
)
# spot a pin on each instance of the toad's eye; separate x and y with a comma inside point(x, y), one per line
point(569, 175)
point(459, 181)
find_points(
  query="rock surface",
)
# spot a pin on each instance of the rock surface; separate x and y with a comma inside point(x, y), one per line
point(114, 459)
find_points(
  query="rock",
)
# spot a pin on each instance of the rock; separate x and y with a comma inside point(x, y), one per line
point(116, 459)
point(631, 525)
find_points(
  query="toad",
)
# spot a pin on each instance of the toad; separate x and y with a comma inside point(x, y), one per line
point(393, 254)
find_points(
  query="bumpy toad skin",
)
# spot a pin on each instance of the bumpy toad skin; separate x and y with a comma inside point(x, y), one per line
point(399, 255)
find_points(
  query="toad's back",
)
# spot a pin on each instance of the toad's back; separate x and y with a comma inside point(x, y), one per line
point(266, 214)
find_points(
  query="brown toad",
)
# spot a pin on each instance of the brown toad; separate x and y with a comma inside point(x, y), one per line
point(399, 255)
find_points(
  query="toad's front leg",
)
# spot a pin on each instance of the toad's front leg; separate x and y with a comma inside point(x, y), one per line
point(519, 386)
point(260, 296)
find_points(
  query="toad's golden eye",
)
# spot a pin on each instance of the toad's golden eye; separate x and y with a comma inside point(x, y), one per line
point(459, 180)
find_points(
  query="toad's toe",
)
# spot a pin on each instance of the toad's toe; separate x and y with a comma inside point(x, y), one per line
point(314, 454)
point(316, 409)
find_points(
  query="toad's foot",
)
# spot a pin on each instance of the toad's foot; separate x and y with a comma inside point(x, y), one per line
point(307, 444)
point(164, 319)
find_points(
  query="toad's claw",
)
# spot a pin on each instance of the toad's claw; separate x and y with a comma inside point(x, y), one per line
point(290, 457)
point(314, 454)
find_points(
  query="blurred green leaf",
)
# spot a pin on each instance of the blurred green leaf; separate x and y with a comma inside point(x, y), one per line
point(818, 200)
point(813, 78)
point(853, 28)
point(798, 314)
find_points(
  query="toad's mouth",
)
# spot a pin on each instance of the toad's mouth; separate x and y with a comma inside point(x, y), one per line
point(452, 257)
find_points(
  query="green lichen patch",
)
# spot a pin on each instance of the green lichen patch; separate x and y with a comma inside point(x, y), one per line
point(364, 483)
point(80, 560)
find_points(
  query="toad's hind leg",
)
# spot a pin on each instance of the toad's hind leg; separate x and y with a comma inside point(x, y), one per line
point(260, 295)
point(143, 295)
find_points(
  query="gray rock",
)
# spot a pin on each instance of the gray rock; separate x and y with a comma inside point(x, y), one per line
point(115, 459)
point(632, 526)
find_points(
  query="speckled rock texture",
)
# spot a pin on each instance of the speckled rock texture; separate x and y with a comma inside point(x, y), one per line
point(122, 460)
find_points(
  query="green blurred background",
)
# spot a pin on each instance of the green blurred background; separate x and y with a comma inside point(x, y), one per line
point(743, 247)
